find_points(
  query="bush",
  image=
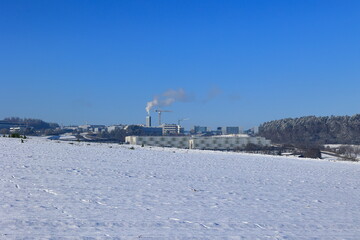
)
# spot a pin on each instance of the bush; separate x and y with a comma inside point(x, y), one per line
point(252, 147)
point(312, 153)
point(349, 152)
point(15, 135)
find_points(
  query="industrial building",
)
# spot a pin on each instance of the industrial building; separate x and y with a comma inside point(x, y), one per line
point(223, 142)
point(226, 142)
point(152, 131)
point(148, 121)
point(114, 127)
point(171, 129)
point(230, 130)
point(159, 141)
point(200, 129)
point(92, 128)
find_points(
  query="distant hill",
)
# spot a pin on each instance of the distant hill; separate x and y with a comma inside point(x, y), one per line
point(37, 124)
point(313, 130)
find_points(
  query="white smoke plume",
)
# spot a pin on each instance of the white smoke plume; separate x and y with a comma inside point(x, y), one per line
point(167, 98)
point(213, 93)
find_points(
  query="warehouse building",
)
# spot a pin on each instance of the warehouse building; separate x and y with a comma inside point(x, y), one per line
point(159, 141)
point(226, 142)
point(223, 142)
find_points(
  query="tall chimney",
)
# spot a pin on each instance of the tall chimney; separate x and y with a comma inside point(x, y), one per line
point(148, 121)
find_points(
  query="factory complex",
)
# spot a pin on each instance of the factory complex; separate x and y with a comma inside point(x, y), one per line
point(219, 142)
point(162, 135)
point(172, 135)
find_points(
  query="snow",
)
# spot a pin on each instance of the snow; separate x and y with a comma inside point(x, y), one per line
point(62, 137)
point(328, 157)
point(57, 190)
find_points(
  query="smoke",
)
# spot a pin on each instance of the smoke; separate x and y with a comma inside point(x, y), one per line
point(213, 93)
point(235, 97)
point(167, 98)
point(82, 103)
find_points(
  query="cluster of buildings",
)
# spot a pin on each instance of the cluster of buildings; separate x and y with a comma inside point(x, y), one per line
point(90, 128)
point(218, 131)
point(174, 135)
point(200, 137)
point(166, 135)
point(164, 129)
point(176, 129)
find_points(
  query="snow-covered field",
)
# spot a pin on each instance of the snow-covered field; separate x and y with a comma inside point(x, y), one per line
point(57, 190)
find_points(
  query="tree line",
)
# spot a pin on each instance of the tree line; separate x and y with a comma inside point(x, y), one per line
point(312, 130)
point(37, 124)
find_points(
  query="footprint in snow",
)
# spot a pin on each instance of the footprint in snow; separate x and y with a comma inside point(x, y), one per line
point(50, 191)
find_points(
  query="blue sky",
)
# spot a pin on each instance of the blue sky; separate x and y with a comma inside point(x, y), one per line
point(240, 63)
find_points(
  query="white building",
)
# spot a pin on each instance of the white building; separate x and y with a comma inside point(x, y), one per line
point(223, 142)
point(231, 130)
point(200, 129)
point(114, 127)
point(72, 128)
point(92, 128)
point(226, 142)
point(85, 127)
point(171, 129)
point(160, 141)
point(17, 129)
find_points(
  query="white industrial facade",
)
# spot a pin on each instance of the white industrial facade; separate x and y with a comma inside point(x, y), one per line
point(160, 141)
point(227, 142)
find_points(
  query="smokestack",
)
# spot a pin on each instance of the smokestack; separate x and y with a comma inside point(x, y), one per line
point(148, 121)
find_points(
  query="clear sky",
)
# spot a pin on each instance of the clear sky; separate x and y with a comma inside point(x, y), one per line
point(237, 63)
